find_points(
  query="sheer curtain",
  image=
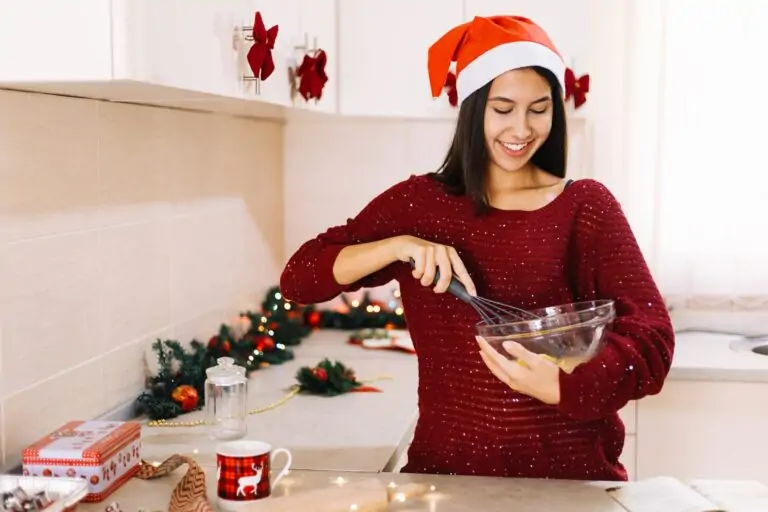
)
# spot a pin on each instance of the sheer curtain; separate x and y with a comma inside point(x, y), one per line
point(705, 198)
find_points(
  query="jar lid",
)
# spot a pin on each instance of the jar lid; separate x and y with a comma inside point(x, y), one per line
point(226, 372)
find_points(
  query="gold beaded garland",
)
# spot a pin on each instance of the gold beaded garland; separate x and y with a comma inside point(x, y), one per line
point(196, 423)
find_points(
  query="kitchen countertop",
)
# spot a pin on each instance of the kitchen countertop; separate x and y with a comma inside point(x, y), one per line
point(355, 431)
point(370, 431)
point(465, 494)
point(717, 357)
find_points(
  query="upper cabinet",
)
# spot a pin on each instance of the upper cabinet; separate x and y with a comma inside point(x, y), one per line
point(284, 14)
point(195, 53)
point(383, 56)
point(153, 51)
point(99, 48)
point(317, 32)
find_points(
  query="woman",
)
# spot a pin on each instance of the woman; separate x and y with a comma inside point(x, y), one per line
point(500, 215)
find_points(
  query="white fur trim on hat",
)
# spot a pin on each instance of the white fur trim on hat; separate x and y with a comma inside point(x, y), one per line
point(505, 57)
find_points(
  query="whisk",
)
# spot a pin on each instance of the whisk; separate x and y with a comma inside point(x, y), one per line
point(492, 312)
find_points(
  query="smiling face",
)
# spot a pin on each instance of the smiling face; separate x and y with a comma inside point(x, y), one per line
point(518, 119)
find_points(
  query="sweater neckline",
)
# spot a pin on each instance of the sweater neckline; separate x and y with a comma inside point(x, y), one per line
point(554, 203)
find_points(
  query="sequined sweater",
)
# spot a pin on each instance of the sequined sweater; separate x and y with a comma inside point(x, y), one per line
point(578, 247)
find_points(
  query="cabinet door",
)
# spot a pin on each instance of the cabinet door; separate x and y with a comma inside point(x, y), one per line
point(383, 56)
point(704, 430)
point(566, 22)
point(318, 28)
point(285, 14)
point(179, 44)
point(49, 41)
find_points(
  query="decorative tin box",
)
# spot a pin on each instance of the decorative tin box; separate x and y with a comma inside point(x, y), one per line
point(104, 453)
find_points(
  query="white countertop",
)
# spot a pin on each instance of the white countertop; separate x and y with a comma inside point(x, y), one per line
point(712, 357)
point(354, 432)
point(370, 431)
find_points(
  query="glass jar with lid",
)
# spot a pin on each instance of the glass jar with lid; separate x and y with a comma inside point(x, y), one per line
point(226, 394)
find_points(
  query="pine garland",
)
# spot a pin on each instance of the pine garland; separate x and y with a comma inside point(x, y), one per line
point(261, 339)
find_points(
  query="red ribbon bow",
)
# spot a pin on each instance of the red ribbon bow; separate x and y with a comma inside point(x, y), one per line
point(450, 86)
point(260, 55)
point(576, 88)
point(312, 75)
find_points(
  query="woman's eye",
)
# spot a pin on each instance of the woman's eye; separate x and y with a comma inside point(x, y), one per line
point(502, 111)
point(538, 111)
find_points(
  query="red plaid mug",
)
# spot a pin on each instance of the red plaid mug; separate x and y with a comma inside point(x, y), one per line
point(242, 471)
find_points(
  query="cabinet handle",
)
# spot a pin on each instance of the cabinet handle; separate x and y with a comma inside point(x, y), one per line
point(305, 47)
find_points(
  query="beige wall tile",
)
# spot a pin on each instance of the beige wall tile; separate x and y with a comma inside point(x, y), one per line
point(76, 394)
point(48, 164)
point(52, 309)
point(135, 280)
point(120, 224)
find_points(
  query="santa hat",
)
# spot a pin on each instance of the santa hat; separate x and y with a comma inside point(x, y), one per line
point(485, 48)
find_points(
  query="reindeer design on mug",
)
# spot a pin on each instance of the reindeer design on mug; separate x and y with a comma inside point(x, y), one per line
point(251, 480)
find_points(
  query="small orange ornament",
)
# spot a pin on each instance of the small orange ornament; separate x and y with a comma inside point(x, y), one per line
point(186, 396)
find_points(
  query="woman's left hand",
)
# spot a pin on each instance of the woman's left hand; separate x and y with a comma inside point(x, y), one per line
point(536, 377)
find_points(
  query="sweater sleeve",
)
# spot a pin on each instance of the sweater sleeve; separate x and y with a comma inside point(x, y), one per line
point(639, 349)
point(308, 276)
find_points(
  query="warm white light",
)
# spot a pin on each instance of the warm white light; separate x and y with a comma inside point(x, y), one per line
point(400, 497)
point(355, 303)
point(287, 306)
point(399, 311)
point(392, 485)
point(339, 481)
point(353, 506)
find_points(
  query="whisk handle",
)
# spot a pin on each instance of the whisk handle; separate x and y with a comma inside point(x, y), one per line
point(454, 288)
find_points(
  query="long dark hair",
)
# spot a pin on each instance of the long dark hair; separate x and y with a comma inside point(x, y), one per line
point(464, 170)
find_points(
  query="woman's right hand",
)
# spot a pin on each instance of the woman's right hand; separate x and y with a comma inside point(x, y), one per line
point(429, 258)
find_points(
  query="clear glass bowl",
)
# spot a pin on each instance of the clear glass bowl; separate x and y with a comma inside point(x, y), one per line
point(569, 334)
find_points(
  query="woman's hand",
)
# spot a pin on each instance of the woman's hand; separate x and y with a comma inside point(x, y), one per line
point(531, 374)
point(428, 258)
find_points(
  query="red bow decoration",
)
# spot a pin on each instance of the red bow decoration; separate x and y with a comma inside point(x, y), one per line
point(260, 55)
point(576, 88)
point(450, 86)
point(312, 75)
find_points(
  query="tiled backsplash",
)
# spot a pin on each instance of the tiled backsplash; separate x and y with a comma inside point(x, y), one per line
point(119, 224)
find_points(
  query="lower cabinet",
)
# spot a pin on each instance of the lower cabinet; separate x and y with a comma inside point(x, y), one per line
point(704, 430)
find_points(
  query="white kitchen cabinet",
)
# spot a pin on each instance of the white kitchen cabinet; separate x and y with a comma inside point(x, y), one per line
point(629, 457)
point(704, 429)
point(151, 51)
point(51, 41)
point(276, 89)
point(383, 56)
point(317, 31)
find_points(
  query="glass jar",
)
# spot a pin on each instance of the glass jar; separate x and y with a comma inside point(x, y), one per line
point(226, 394)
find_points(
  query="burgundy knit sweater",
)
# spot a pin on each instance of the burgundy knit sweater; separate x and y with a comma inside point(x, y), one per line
point(578, 247)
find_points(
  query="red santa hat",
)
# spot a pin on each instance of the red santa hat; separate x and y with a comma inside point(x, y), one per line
point(485, 48)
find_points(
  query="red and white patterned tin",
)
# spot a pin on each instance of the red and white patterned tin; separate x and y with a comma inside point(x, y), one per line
point(104, 453)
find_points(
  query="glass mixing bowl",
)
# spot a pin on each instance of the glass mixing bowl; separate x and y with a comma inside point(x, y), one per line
point(569, 335)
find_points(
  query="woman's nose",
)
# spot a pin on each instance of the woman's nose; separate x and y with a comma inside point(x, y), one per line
point(521, 129)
